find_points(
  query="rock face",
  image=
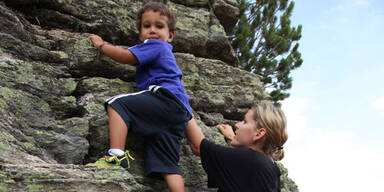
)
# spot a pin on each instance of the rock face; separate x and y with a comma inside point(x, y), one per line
point(53, 84)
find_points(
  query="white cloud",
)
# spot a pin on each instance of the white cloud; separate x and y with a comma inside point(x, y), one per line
point(334, 161)
point(308, 84)
point(352, 4)
point(344, 11)
point(294, 109)
point(325, 159)
point(361, 2)
point(378, 105)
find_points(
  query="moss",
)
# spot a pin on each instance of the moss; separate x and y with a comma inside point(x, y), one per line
point(121, 12)
point(39, 68)
point(99, 84)
point(3, 187)
point(5, 136)
point(62, 55)
point(4, 76)
point(1, 51)
point(7, 93)
point(85, 50)
point(46, 137)
point(3, 104)
point(82, 27)
point(84, 42)
point(4, 180)
point(70, 99)
point(76, 125)
point(5, 65)
point(126, 26)
point(34, 187)
point(217, 28)
point(70, 85)
point(2, 176)
point(111, 3)
point(10, 181)
point(65, 1)
point(25, 102)
point(95, 83)
point(44, 133)
point(39, 175)
point(45, 108)
point(94, 108)
point(6, 141)
point(29, 146)
point(108, 174)
point(27, 73)
point(93, 4)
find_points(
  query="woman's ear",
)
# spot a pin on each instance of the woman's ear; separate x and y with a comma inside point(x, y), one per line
point(260, 133)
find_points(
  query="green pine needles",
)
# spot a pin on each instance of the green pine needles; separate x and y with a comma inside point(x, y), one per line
point(267, 44)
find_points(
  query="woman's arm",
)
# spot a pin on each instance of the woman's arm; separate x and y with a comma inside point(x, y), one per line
point(194, 136)
point(116, 53)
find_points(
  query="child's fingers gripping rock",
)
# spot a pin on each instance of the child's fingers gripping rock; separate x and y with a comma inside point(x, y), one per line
point(96, 40)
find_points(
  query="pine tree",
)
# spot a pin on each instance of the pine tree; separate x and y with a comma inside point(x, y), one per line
point(267, 44)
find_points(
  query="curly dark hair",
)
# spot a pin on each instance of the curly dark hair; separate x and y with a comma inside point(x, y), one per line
point(160, 7)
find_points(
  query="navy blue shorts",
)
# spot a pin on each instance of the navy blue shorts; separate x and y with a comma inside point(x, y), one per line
point(160, 117)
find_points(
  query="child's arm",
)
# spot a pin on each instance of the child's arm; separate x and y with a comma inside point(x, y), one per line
point(194, 136)
point(116, 53)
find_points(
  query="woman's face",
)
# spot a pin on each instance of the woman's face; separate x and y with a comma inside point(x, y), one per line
point(245, 131)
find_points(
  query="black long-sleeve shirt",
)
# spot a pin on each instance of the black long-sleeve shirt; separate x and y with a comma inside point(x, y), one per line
point(238, 169)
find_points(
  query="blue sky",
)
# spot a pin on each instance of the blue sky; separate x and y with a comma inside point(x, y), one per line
point(336, 109)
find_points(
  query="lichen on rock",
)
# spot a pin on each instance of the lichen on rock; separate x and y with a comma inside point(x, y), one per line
point(54, 83)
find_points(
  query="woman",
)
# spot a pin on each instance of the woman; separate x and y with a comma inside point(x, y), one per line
point(248, 165)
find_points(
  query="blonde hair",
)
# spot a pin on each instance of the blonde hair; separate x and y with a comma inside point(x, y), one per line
point(273, 120)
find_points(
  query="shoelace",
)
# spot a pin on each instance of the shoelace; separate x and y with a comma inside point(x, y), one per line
point(129, 155)
point(117, 160)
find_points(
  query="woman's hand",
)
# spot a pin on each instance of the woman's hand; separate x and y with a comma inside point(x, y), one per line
point(96, 40)
point(226, 130)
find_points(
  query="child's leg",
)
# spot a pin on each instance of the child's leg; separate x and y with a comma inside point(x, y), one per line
point(175, 182)
point(117, 130)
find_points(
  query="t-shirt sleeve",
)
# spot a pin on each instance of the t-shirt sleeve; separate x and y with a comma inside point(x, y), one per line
point(218, 162)
point(147, 52)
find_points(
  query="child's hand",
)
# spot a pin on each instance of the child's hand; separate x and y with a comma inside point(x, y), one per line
point(226, 130)
point(96, 40)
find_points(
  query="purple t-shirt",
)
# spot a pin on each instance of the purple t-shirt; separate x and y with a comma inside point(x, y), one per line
point(157, 66)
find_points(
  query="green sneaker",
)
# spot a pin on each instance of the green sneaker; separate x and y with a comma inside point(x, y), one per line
point(111, 161)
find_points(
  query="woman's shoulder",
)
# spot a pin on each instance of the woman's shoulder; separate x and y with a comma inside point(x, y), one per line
point(234, 152)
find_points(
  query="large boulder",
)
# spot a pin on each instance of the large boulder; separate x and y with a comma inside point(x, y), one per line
point(54, 83)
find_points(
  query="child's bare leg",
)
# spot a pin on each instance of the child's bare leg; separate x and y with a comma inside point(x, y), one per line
point(175, 182)
point(117, 130)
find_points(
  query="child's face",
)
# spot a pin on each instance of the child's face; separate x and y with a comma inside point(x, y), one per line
point(155, 26)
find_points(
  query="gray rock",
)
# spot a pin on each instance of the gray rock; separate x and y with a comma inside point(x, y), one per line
point(54, 83)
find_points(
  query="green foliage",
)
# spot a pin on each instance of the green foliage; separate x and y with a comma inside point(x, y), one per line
point(267, 44)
